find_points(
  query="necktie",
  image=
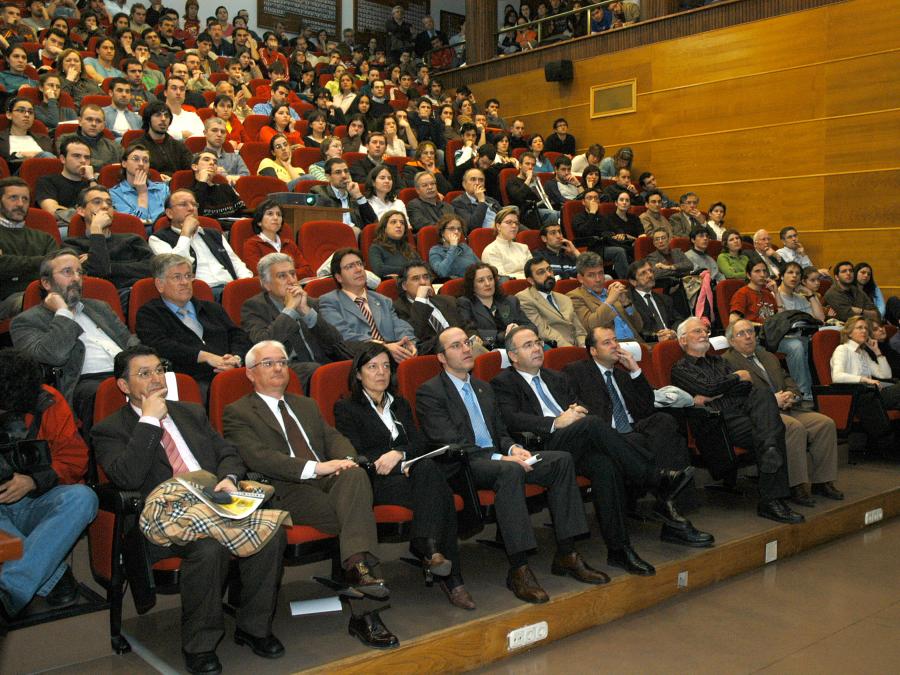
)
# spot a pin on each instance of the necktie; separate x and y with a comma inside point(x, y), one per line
point(553, 302)
point(168, 443)
point(755, 361)
point(648, 298)
point(620, 415)
point(435, 321)
point(544, 397)
point(295, 438)
point(482, 435)
point(190, 322)
point(367, 315)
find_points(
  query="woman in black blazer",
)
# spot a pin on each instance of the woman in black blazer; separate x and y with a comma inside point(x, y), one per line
point(379, 424)
point(484, 305)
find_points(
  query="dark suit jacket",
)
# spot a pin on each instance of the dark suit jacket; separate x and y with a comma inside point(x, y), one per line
point(475, 314)
point(519, 404)
point(263, 321)
point(422, 214)
point(132, 454)
point(418, 313)
point(359, 171)
point(359, 422)
point(423, 41)
point(593, 395)
point(251, 426)
point(780, 379)
point(648, 316)
point(472, 213)
point(754, 257)
point(360, 214)
point(445, 420)
point(159, 327)
point(121, 258)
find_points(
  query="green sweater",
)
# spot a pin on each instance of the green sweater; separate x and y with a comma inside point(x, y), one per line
point(21, 252)
point(733, 267)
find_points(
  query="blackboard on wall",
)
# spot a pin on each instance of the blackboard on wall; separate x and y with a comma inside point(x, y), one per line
point(316, 14)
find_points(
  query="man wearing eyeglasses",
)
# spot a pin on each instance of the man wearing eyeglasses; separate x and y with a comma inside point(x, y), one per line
point(361, 314)
point(453, 407)
point(197, 336)
point(313, 469)
point(750, 415)
point(146, 442)
point(76, 336)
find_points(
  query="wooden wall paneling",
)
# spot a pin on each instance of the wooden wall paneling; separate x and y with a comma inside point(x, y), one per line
point(863, 199)
point(880, 247)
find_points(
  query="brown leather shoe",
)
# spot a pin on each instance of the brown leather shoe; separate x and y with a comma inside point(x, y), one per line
point(438, 565)
point(827, 490)
point(575, 566)
point(458, 596)
point(801, 497)
point(361, 578)
point(522, 583)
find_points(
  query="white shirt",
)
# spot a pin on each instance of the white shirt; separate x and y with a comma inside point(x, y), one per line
point(381, 207)
point(435, 312)
point(168, 424)
point(99, 349)
point(385, 414)
point(790, 255)
point(850, 363)
point(546, 410)
point(603, 370)
point(208, 269)
point(121, 124)
point(22, 144)
point(185, 121)
point(509, 257)
point(309, 469)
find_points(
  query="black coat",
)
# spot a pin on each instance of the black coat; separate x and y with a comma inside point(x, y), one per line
point(359, 422)
point(648, 316)
point(590, 388)
point(121, 258)
point(417, 314)
point(519, 404)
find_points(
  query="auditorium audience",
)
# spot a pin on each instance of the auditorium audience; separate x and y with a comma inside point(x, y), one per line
point(689, 217)
point(561, 140)
point(485, 305)
point(845, 296)
point(647, 184)
point(504, 253)
point(344, 192)
point(764, 252)
point(279, 163)
point(475, 206)
point(599, 305)
point(526, 191)
point(230, 164)
point(215, 195)
point(136, 194)
point(558, 251)
point(541, 163)
point(716, 223)
point(564, 186)
point(390, 250)
point(267, 225)
point(381, 191)
point(621, 227)
point(621, 183)
point(551, 313)
point(659, 315)
point(167, 155)
point(732, 260)
point(700, 259)
point(331, 147)
point(622, 159)
point(91, 125)
point(451, 256)
point(865, 279)
point(49, 111)
point(19, 141)
point(590, 157)
point(57, 193)
point(75, 83)
point(670, 264)
point(653, 218)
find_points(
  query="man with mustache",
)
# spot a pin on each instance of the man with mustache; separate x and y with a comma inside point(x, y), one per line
point(79, 337)
point(552, 313)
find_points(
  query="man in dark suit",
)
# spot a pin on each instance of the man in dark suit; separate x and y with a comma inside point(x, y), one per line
point(658, 314)
point(429, 32)
point(455, 408)
point(622, 398)
point(805, 430)
point(195, 335)
point(475, 206)
point(142, 445)
point(376, 144)
point(427, 312)
point(313, 470)
point(283, 312)
point(763, 251)
point(78, 336)
point(342, 192)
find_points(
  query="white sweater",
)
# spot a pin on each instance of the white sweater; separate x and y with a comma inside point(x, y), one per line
point(850, 364)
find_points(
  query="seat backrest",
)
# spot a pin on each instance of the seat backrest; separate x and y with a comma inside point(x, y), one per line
point(505, 175)
point(452, 287)
point(480, 237)
point(559, 357)
point(328, 385)
point(205, 221)
point(414, 372)
point(684, 243)
point(453, 194)
point(487, 366)
point(366, 237)
point(236, 293)
point(230, 385)
point(4, 168)
point(253, 152)
point(109, 398)
point(144, 290)
point(513, 286)
point(254, 189)
point(449, 153)
point(304, 186)
point(305, 157)
point(35, 167)
point(92, 287)
point(407, 194)
point(665, 355)
point(318, 239)
point(724, 290)
point(241, 231)
point(714, 248)
point(131, 136)
point(181, 180)
point(643, 246)
point(319, 287)
point(565, 286)
point(425, 239)
point(38, 219)
point(823, 345)
point(389, 289)
point(122, 223)
point(397, 162)
point(531, 238)
point(252, 125)
point(569, 210)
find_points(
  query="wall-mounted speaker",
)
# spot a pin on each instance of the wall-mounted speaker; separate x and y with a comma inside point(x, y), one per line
point(559, 71)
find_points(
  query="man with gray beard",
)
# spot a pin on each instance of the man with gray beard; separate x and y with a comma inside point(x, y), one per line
point(78, 337)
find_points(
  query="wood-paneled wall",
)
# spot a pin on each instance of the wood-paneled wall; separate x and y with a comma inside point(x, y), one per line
point(790, 120)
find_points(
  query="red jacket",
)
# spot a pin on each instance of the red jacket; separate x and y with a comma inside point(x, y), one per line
point(68, 450)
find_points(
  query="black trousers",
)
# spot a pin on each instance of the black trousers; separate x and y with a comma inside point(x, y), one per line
point(204, 569)
point(870, 407)
point(756, 423)
point(83, 399)
point(612, 462)
point(556, 472)
point(658, 434)
point(425, 492)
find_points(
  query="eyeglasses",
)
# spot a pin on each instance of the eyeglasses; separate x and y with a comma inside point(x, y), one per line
point(531, 344)
point(268, 364)
point(147, 373)
point(699, 331)
point(356, 264)
point(747, 332)
point(97, 201)
point(183, 205)
point(24, 111)
point(468, 342)
point(374, 366)
point(178, 278)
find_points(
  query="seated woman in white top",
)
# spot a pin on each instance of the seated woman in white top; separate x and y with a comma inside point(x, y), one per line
point(382, 193)
point(396, 147)
point(505, 253)
point(858, 360)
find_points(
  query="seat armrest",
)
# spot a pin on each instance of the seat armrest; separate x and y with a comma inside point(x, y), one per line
point(528, 439)
point(120, 502)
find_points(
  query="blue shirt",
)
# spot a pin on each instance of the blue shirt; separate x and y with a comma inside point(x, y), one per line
point(189, 308)
point(623, 330)
point(124, 198)
point(266, 109)
point(459, 384)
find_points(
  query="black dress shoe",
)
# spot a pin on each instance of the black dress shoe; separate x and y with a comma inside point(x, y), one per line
point(665, 512)
point(268, 647)
point(628, 560)
point(361, 578)
point(671, 483)
point(522, 583)
point(779, 511)
point(65, 592)
point(204, 663)
point(827, 490)
point(800, 496)
point(686, 536)
point(575, 566)
point(372, 632)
